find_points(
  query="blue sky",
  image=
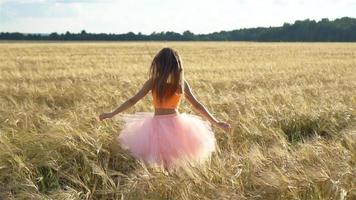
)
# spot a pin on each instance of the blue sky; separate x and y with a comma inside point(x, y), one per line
point(147, 16)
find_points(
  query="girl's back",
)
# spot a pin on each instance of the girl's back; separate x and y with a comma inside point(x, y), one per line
point(169, 102)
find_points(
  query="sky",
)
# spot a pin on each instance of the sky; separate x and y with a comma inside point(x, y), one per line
point(147, 16)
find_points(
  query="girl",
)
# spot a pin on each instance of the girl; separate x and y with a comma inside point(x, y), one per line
point(167, 137)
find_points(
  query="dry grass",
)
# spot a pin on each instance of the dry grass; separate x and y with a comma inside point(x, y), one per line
point(292, 107)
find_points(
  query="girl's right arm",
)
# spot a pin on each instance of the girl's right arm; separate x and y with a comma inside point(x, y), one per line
point(201, 108)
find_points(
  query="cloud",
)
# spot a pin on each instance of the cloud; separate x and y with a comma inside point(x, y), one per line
point(83, 1)
point(35, 9)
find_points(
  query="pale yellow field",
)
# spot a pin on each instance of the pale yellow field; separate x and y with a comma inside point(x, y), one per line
point(291, 105)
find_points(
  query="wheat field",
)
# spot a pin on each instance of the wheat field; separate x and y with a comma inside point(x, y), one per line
point(291, 106)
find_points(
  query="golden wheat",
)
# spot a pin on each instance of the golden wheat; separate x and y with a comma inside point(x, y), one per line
point(291, 105)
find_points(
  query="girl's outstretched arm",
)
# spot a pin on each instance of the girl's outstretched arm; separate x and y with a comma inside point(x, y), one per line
point(201, 108)
point(130, 102)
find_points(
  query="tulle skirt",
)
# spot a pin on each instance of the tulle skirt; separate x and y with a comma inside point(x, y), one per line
point(168, 140)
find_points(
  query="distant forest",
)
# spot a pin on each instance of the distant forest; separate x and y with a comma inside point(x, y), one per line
point(339, 30)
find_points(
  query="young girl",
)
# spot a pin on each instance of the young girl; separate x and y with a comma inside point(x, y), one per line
point(167, 137)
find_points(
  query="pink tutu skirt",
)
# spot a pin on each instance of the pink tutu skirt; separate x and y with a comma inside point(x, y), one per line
point(167, 140)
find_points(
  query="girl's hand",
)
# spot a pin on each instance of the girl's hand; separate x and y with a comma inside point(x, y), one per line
point(105, 116)
point(223, 125)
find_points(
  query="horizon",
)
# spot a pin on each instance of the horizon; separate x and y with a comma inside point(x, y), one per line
point(87, 32)
point(199, 17)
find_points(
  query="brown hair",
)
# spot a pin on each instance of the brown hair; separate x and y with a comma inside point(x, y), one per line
point(166, 68)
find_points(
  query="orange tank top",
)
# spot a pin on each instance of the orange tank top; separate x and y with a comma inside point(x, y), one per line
point(171, 102)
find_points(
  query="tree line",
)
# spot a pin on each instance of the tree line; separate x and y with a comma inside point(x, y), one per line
point(325, 30)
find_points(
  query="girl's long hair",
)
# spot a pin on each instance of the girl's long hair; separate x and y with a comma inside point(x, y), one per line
point(167, 68)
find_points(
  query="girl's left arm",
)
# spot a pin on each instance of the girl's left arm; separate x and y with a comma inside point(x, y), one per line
point(130, 102)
